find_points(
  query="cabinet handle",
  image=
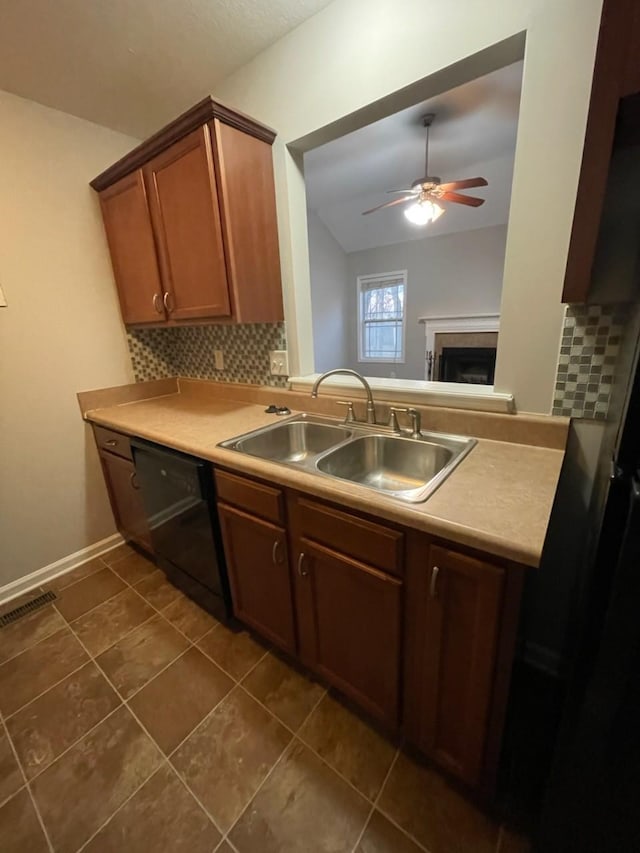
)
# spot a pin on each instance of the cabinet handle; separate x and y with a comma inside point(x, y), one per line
point(301, 569)
point(165, 299)
point(274, 552)
point(132, 480)
point(111, 442)
point(157, 303)
point(435, 571)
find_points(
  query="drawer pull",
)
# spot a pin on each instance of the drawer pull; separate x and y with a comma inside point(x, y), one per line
point(435, 571)
point(133, 481)
point(301, 569)
point(165, 299)
point(111, 442)
point(274, 553)
point(157, 303)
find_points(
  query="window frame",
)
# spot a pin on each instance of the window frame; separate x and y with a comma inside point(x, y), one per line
point(381, 277)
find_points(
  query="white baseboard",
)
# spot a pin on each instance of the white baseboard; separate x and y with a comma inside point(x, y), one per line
point(60, 567)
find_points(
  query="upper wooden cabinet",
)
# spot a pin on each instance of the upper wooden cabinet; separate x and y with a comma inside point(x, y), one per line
point(186, 219)
point(133, 255)
point(616, 76)
point(191, 224)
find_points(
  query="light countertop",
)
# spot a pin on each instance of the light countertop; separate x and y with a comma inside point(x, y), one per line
point(498, 499)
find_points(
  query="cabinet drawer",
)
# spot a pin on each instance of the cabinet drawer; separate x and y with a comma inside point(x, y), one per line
point(365, 540)
point(114, 442)
point(258, 499)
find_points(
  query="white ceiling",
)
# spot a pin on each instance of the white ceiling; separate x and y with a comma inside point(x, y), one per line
point(474, 134)
point(133, 65)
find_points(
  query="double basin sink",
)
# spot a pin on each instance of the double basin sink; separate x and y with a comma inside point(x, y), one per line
point(396, 465)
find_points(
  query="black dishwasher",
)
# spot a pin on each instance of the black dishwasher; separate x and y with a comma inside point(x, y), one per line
point(179, 501)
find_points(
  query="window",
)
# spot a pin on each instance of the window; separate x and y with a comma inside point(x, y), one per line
point(381, 316)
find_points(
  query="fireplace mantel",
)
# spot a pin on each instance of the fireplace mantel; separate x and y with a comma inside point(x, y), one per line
point(458, 323)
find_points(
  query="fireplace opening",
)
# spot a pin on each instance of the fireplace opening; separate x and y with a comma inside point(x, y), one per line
point(473, 365)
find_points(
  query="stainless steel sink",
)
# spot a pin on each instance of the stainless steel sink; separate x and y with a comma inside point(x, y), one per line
point(293, 441)
point(371, 456)
point(389, 464)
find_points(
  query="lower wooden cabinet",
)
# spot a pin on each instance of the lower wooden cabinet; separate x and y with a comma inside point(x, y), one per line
point(354, 613)
point(453, 646)
point(258, 566)
point(126, 500)
point(423, 640)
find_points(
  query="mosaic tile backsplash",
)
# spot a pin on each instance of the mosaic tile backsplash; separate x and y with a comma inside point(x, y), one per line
point(189, 351)
point(586, 365)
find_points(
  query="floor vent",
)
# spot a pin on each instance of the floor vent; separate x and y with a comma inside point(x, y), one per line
point(25, 609)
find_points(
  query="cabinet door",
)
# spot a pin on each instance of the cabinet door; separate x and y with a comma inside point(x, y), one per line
point(126, 500)
point(357, 625)
point(133, 255)
point(184, 207)
point(258, 566)
point(248, 205)
point(458, 652)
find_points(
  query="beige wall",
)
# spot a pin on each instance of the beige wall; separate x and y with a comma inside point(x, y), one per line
point(356, 52)
point(60, 334)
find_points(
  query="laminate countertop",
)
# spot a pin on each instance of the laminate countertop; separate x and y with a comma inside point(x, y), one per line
point(498, 499)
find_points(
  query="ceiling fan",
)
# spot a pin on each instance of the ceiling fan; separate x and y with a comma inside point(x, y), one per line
point(426, 193)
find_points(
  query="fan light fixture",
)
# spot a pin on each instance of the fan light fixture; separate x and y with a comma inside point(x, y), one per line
point(423, 212)
point(424, 194)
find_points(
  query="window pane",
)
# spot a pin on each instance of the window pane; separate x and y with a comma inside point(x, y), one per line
point(381, 317)
point(383, 339)
point(383, 303)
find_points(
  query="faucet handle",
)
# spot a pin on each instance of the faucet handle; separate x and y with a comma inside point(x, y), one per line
point(394, 411)
point(414, 414)
point(416, 422)
point(350, 416)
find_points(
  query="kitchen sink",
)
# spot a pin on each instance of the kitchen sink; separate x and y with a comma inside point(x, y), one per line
point(368, 455)
point(293, 441)
point(387, 463)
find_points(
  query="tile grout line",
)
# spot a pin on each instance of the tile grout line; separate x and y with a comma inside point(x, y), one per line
point(296, 736)
point(124, 636)
point(237, 682)
point(404, 831)
point(391, 820)
point(269, 774)
point(75, 743)
point(375, 801)
point(165, 757)
point(156, 745)
point(27, 786)
point(41, 694)
point(122, 804)
point(123, 703)
point(45, 637)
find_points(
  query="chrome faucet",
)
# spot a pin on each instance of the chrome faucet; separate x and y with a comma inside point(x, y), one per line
point(371, 409)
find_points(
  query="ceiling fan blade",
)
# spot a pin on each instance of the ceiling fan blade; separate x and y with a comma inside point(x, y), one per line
point(464, 184)
point(458, 198)
point(388, 204)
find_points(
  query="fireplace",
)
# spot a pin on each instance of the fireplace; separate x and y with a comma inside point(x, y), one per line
point(461, 349)
point(473, 365)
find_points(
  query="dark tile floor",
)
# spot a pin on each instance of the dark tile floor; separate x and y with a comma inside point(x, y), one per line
point(132, 721)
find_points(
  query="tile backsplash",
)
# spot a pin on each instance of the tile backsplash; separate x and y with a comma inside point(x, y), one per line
point(189, 351)
point(586, 366)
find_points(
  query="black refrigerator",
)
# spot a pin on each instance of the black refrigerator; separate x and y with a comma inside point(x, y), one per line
point(592, 801)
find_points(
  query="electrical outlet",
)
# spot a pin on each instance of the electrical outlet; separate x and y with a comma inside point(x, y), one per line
point(218, 359)
point(279, 360)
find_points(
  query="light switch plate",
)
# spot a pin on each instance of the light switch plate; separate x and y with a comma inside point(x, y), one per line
point(279, 360)
point(218, 359)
